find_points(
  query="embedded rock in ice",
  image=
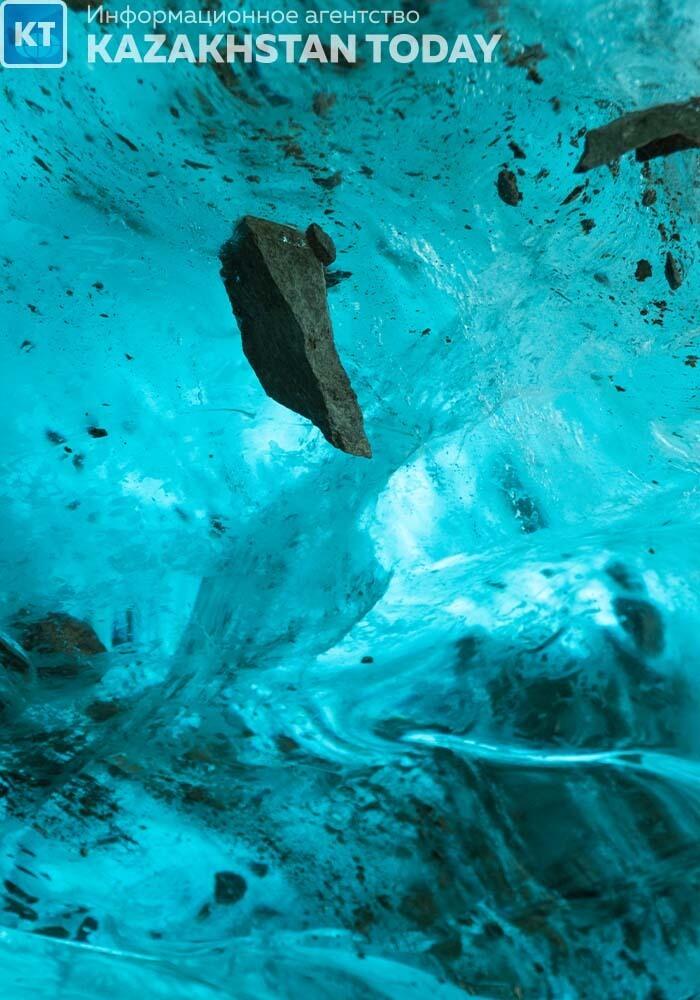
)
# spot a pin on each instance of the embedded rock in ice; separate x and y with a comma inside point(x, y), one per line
point(321, 244)
point(60, 645)
point(60, 633)
point(229, 888)
point(643, 270)
point(673, 272)
point(276, 286)
point(658, 131)
point(507, 186)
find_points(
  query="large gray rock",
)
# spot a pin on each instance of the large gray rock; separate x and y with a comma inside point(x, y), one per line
point(276, 286)
point(667, 128)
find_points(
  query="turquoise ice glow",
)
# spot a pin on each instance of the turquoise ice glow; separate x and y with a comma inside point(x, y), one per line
point(424, 726)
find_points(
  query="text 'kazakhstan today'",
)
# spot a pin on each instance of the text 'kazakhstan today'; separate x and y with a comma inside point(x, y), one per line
point(228, 48)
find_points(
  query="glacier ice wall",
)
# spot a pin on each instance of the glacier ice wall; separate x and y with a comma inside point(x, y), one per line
point(420, 726)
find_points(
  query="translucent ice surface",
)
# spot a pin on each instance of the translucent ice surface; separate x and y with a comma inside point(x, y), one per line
point(282, 723)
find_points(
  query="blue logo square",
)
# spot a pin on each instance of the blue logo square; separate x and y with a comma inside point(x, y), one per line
point(33, 35)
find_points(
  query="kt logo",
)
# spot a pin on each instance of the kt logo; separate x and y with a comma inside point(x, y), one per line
point(33, 34)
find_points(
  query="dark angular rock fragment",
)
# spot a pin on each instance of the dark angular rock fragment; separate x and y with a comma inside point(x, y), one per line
point(229, 888)
point(61, 648)
point(643, 270)
point(334, 278)
point(61, 633)
point(673, 272)
point(277, 289)
point(653, 132)
point(61, 933)
point(20, 909)
point(573, 195)
point(87, 927)
point(321, 244)
point(15, 890)
point(507, 186)
point(329, 182)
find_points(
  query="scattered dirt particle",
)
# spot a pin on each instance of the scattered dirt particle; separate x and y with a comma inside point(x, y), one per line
point(329, 182)
point(643, 270)
point(673, 272)
point(53, 932)
point(229, 888)
point(285, 744)
point(127, 142)
point(573, 195)
point(507, 187)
